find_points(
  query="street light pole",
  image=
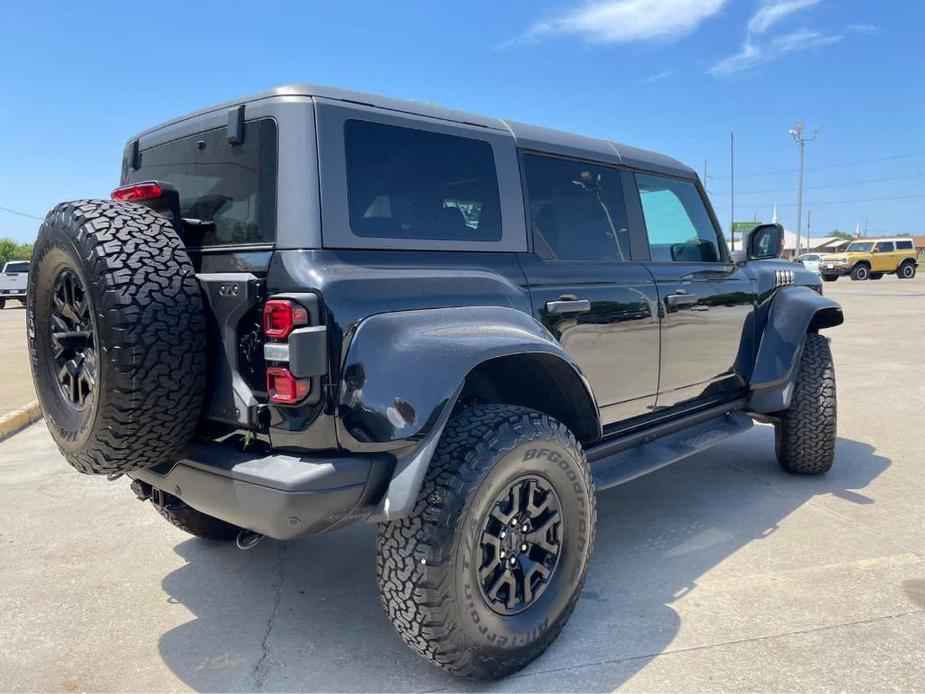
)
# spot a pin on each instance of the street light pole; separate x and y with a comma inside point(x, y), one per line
point(797, 135)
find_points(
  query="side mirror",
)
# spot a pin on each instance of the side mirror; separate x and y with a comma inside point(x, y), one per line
point(765, 241)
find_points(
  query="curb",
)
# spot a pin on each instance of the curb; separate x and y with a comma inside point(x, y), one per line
point(19, 419)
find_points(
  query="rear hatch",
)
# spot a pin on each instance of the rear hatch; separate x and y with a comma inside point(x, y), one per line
point(225, 208)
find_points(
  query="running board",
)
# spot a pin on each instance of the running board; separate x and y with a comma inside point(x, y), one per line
point(622, 460)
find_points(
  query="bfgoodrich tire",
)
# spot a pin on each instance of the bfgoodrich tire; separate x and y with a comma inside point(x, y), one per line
point(485, 572)
point(805, 433)
point(116, 336)
point(860, 272)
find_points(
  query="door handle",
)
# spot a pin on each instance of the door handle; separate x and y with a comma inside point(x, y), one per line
point(680, 298)
point(568, 306)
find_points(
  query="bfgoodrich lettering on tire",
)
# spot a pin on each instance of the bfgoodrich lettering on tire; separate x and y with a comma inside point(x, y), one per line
point(485, 572)
point(116, 335)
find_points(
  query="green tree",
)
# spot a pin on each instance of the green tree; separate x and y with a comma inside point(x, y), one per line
point(10, 250)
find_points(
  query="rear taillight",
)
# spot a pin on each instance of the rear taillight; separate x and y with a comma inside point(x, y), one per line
point(284, 388)
point(281, 316)
point(137, 192)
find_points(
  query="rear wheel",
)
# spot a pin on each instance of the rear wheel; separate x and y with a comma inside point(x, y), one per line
point(116, 335)
point(805, 433)
point(860, 272)
point(2, 304)
point(482, 576)
point(906, 271)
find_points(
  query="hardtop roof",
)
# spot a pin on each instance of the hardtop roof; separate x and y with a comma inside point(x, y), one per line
point(526, 136)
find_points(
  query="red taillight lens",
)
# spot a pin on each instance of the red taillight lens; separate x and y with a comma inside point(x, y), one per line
point(280, 316)
point(284, 388)
point(137, 191)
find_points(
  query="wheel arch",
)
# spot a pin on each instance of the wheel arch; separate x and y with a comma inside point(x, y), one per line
point(794, 312)
point(405, 372)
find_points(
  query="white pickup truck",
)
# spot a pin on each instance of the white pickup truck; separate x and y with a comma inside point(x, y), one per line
point(13, 281)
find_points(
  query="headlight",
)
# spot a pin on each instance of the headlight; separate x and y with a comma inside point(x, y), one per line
point(842, 261)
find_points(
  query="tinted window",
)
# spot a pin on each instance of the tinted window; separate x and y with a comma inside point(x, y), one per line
point(230, 188)
point(860, 247)
point(17, 267)
point(576, 209)
point(904, 245)
point(414, 184)
point(885, 247)
point(677, 222)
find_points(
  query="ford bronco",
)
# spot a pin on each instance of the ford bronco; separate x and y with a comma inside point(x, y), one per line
point(871, 259)
point(312, 307)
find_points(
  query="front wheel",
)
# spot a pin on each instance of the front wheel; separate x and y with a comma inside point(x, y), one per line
point(805, 433)
point(906, 270)
point(484, 573)
point(860, 272)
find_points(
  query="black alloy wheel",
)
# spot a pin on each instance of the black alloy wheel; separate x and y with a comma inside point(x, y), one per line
point(521, 542)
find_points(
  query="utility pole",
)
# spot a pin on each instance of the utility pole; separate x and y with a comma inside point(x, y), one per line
point(732, 188)
point(797, 134)
point(809, 226)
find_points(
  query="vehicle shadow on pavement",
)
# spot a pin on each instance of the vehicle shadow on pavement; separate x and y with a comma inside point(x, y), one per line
point(305, 615)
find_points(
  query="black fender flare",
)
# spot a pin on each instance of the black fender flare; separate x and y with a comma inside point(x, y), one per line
point(404, 372)
point(794, 312)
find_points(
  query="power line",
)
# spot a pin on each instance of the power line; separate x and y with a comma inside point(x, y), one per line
point(829, 185)
point(21, 214)
point(826, 166)
point(848, 202)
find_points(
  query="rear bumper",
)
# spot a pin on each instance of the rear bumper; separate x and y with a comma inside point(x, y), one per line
point(278, 495)
point(12, 294)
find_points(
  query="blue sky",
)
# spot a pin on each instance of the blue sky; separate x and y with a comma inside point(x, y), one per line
point(675, 76)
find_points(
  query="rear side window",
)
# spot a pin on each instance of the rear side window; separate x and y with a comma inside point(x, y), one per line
point(884, 247)
point(404, 183)
point(576, 209)
point(904, 245)
point(677, 222)
point(230, 189)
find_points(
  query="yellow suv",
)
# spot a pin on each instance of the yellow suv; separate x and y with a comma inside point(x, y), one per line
point(871, 259)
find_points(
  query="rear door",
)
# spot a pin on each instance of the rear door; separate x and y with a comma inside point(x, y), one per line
point(884, 257)
point(707, 301)
point(585, 286)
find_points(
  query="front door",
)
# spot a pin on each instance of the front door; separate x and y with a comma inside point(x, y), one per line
point(601, 306)
point(707, 301)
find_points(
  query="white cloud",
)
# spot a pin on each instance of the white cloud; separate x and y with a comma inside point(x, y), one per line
point(753, 54)
point(773, 11)
point(627, 21)
point(757, 48)
point(658, 76)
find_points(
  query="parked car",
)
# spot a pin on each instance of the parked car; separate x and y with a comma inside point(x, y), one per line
point(13, 281)
point(313, 307)
point(811, 261)
point(872, 259)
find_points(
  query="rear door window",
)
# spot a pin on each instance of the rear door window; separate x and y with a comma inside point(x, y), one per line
point(576, 209)
point(404, 183)
point(229, 189)
point(677, 222)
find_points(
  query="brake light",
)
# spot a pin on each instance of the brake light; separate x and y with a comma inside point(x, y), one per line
point(281, 316)
point(137, 192)
point(284, 388)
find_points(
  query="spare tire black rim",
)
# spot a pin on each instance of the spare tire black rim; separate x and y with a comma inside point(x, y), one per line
point(521, 542)
point(73, 348)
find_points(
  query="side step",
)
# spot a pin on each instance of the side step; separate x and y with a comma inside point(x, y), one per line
point(622, 460)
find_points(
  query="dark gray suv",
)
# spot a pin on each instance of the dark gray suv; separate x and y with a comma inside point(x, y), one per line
point(312, 307)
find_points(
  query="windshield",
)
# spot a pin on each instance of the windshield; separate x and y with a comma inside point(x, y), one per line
point(860, 247)
point(22, 266)
point(809, 257)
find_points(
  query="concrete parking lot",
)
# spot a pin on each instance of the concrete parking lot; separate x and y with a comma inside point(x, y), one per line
point(15, 377)
point(719, 573)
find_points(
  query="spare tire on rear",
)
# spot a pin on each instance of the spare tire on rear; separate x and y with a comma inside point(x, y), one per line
point(117, 336)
